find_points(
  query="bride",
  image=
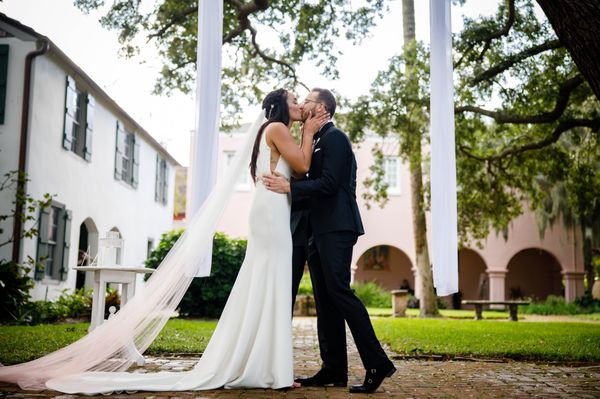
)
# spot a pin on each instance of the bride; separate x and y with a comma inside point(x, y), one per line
point(251, 346)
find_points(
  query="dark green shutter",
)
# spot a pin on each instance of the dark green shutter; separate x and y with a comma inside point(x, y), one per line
point(3, 79)
point(66, 241)
point(57, 262)
point(89, 126)
point(136, 161)
point(157, 180)
point(42, 247)
point(166, 183)
point(119, 148)
point(70, 111)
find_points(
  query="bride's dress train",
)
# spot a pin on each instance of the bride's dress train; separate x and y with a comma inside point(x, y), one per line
point(251, 346)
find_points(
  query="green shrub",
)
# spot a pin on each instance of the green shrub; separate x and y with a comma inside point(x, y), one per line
point(69, 305)
point(372, 295)
point(206, 297)
point(15, 283)
point(556, 305)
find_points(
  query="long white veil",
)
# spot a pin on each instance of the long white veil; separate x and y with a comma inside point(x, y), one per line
point(108, 347)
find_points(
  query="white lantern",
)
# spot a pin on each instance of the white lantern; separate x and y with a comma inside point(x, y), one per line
point(110, 249)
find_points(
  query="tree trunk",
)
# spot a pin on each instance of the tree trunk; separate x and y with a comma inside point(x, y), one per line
point(427, 301)
point(588, 265)
point(577, 25)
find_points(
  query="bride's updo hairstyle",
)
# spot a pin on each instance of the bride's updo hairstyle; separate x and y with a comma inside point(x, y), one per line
point(276, 110)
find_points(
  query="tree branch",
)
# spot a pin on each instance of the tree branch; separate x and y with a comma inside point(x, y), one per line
point(516, 58)
point(175, 20)
point(500, 32)
point(545, 117)
point(268, 58)
point(593, 124)
point(243, 12)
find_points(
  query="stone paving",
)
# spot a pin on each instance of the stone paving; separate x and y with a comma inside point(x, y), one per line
point(414, 378)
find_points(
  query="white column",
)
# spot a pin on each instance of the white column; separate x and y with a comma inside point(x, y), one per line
point(443, 157)
point(497, 280)
point(204, 142)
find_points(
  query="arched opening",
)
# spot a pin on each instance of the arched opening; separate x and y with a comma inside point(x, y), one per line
point(387, 266)
point(533, 273)
point(472, 278)
point(87, 250)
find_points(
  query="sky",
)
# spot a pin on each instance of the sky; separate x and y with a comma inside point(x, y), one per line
point(170, 119)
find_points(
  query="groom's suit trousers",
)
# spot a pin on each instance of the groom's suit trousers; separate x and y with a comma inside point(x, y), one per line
point(330, 257)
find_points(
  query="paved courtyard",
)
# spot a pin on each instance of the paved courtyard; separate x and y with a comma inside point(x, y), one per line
point(414, 378)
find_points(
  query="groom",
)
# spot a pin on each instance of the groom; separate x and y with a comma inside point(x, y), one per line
point(334, 223)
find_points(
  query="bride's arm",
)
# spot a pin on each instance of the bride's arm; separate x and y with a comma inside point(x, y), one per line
point(298, 158)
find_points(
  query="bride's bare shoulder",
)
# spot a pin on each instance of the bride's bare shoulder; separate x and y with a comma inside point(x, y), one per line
point(276, 130)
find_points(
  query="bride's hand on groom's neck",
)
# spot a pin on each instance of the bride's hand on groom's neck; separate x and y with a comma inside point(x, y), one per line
point(313, 123)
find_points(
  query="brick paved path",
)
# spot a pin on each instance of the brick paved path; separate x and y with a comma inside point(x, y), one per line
point(414, 378)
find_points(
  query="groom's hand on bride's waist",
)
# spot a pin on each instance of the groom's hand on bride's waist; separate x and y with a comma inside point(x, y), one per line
point(277, 183)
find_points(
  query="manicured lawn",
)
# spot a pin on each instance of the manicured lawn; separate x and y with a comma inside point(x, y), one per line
point(22, 343)
point(449, 313)
point(408, 336)
point(487, 338)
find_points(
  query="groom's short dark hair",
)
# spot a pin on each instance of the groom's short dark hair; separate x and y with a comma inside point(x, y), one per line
point(327, 98)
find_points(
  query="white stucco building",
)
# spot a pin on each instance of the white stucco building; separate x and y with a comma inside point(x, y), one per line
point(73, 141)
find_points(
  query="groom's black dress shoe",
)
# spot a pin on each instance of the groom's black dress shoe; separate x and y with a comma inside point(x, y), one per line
point(324, 377)
point(373, 379)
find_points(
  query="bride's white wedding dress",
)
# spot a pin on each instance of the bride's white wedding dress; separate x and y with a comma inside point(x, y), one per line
point(251, 346)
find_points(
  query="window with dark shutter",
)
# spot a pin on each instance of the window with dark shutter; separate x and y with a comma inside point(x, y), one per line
point(70, 119)
point(54, 237)
point(157, 180)
point(119, 150)
point(135, 161)
point(79, 112)
point(89, 127)
point(42, 247)
point(3, 79)
point(127, 156)
point(66, 245)
point(162, 176)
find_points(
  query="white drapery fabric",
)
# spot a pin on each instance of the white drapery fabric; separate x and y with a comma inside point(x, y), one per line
point(443, 156)
point(202, 170)
point(136, 325)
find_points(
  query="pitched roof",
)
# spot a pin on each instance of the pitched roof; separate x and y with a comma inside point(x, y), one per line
point(27, 33)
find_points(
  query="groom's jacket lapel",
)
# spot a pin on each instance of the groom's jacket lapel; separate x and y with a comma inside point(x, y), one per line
point(330, 188)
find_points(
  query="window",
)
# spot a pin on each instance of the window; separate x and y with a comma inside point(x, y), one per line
point(3, 79)
point(243, 183)
point(391, 169)
point(161, 187)
point(54, 231)
point(127, 156)
point(78, 126)
point(149, 247)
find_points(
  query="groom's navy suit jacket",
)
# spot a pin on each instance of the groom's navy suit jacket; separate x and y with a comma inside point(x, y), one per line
point(330, 190)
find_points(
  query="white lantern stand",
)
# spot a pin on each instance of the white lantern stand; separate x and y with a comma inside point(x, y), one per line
point(107, 269)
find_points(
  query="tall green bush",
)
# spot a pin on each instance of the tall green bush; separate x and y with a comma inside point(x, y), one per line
point(372, 295)
point(15, 283)
point(206, 297)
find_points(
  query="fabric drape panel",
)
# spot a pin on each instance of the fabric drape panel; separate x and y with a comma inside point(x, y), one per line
point(202, 170)
point(443, 156)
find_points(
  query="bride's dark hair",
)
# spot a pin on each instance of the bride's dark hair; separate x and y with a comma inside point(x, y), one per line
point(276, 110)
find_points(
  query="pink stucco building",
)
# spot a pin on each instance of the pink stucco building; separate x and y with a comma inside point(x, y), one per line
point(522, 265)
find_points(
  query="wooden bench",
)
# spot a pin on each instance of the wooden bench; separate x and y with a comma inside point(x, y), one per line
point(512, 307)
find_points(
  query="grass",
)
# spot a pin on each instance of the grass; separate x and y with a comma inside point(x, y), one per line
point(23, 343)
point(464, 337)
point(448, 313)
point(491, 339)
